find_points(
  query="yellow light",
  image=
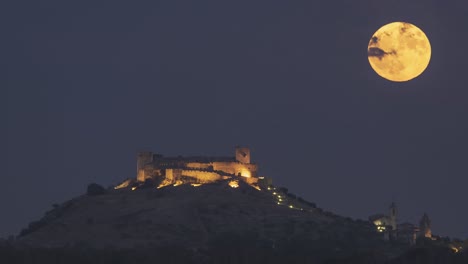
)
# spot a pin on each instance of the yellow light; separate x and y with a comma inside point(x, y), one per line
point(164, 184)
point(196, 184)
point(381, 229)
point(291, 206)
point(134, 188)
point(399, 51)
point(178, 183)
point(234, 184)
point(274, 193)
point(246, 173)
point(122, 185)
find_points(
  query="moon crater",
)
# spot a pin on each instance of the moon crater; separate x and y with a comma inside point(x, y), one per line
point(399, 51)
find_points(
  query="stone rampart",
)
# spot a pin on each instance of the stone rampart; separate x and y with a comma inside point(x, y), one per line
point(202, 176)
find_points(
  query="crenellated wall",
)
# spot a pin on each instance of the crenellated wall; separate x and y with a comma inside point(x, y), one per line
point(199, 165)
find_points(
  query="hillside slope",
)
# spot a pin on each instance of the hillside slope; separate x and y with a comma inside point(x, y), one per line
point(191, 217)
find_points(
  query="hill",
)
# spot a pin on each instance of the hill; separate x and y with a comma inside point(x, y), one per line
point(188, 216)
point(219, 222)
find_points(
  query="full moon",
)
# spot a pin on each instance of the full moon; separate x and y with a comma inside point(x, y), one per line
point(399, 51)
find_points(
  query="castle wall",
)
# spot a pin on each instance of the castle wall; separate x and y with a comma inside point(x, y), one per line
point(147, 172)
point(143, 158)
point(235, 168)
point(141, 175)
point(245, 170)
point(202, 176)
point(250, 180)
point(199, 165)
point(173, 174)
point(203, 169)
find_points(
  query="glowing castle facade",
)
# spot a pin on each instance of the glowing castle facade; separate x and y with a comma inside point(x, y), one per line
point(198, 169)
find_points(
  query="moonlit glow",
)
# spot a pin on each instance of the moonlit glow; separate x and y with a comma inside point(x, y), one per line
point(399, 51)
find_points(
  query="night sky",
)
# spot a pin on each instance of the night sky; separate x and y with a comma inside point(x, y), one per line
point(87, 84)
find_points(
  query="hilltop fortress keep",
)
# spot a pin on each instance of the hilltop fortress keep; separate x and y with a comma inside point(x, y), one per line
point(198, 169)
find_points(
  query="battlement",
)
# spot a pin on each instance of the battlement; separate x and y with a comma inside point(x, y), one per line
point(199, 168)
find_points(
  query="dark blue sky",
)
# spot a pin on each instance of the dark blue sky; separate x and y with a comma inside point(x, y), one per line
point(86, 84)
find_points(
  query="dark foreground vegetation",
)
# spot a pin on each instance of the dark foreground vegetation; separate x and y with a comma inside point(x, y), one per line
point(231, 249)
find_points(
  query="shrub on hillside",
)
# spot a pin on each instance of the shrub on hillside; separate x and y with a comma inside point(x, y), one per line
point(33, 226)
point(95, 189)
point(149, 183)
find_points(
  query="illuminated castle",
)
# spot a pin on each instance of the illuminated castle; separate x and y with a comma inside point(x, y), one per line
point(198, 169)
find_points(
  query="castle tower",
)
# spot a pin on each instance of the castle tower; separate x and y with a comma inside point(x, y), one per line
point(393, 216)
point(243, 155)
point(425, 227)
point(143, 158)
